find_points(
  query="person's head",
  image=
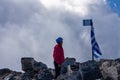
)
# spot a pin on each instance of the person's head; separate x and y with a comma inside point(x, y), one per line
point(59, 40)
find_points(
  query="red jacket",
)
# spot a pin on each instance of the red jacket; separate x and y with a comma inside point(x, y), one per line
point(58, 54)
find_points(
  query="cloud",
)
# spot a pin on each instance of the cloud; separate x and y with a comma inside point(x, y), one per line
point(29, 29)
point(78, 6)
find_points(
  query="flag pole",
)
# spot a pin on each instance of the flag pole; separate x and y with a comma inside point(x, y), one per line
point(92, 47)
point(92, 56)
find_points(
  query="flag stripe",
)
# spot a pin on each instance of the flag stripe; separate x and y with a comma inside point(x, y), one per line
point(95, 47)
point(93, 41)
point(98, 51)
point(95, 55)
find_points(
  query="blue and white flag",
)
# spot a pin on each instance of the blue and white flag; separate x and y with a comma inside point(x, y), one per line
point(95, 47)
point(87, 22)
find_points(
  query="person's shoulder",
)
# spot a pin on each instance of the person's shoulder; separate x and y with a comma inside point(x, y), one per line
point(57, 46)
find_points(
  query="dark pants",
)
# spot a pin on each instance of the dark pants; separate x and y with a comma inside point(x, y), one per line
point(57, 69)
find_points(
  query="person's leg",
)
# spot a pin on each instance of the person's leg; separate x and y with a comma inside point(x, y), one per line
point(57, 70)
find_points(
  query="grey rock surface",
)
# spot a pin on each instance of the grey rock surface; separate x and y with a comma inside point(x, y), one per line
point(105, 69)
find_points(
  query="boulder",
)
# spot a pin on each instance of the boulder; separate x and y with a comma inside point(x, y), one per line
point(37, 66)
point(35, 70)
point(4, 71)
point(90, 70)
point(27, 63)
point(68, 61)
point(70, 70)
point(44, 74)
point(111, 69)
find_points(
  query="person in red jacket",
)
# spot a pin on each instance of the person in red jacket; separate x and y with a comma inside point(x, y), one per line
point(58, 55)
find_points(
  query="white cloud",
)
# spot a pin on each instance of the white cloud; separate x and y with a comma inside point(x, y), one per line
point(77, 6)
point(29, 28)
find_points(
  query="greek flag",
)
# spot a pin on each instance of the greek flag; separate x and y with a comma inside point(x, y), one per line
point(95, 47)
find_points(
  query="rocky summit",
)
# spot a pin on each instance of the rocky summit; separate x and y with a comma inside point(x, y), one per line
point(105, 69)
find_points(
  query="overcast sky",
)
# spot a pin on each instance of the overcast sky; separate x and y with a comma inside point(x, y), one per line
point(28, 28)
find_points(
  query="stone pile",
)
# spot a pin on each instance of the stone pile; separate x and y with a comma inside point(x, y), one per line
point(7, 74)
point(35, 70)
point(104, 69)
point(110, 69)
point(72, 70)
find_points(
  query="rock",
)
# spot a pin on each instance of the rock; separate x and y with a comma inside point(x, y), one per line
point(9, 77)
point(27, 63)
point(105, 69)
point(75, 66)
point(75, 75)
point(90, 70)
point(52, 71)
point(37, 66)
point(7, 74)
point(68, 61)
point(4, 71)
point(44, 74)
point(35, 70)
point(70, 70)
point(111, 69)
point(26, 76)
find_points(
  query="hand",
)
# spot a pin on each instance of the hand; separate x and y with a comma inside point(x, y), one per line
point(59, 65)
